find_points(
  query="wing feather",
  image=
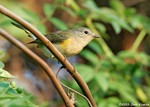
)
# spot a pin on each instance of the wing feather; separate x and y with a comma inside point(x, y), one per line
point(58, 36)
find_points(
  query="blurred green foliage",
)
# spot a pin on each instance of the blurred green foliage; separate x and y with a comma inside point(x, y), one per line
point(112, 79)
point(13, 96)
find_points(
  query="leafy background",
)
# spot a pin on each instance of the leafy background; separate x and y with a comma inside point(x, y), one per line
point(115, 67)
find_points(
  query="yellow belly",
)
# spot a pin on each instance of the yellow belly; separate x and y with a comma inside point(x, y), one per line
point(69, 47)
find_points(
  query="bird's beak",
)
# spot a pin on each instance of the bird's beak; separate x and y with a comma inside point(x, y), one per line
point(96, 36)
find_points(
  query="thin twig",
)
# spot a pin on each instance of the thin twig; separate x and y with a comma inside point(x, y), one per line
point(53, 50)
point(71, 88)
point(43, 64)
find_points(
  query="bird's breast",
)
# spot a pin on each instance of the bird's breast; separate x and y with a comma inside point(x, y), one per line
point(69, 47)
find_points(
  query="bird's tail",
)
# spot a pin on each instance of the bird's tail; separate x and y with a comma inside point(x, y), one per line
point(18, 26)
point(26, 31)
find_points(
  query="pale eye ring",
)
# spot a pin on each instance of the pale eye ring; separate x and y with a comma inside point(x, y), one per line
point(86, 32)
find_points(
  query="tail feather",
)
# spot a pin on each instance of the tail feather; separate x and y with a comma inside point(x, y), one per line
point(35, 41)
point(23, 28)
point(31, 42)
point(18, 26)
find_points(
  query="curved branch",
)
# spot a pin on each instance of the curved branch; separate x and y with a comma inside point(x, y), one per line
point(43, 64)
point(53, 50)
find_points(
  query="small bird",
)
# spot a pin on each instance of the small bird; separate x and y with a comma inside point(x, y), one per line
point(68, 42)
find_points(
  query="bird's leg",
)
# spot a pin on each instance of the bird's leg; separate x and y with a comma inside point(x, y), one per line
point(59, 71)
point(74, 70)
point(65, 59)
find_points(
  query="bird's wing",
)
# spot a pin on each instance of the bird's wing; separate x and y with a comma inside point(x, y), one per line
point(58, 36)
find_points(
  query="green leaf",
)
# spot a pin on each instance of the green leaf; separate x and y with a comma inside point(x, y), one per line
point(41, 27)
point(116, 27)
point(140, 22)
point(102, 80)
point(11, 91)
point(141, 95)
point(85, 71)
point(126, 54)
point(127, 96)
point(68, 10)
point(5, 23)
point(32, 16)
point(142, 58)
point(124, 25)
point(5, 74)
point(90, 56)
point(118, 6)
point(91, 5)
point(129, 12)
point(4, 84)
point(58, 23)
point(1, 65)
point(109, 102)
point(106, 65)
point(49, 9)
point(73, 5)
point(100, 27)
point(110, 16)
point(95, 47)
point(125, 90)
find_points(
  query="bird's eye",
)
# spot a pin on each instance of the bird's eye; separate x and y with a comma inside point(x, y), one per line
point(86, 32)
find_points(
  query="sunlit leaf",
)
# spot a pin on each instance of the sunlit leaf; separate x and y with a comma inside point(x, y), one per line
point(141, 95)
point(5, 74)
point(73, 4)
